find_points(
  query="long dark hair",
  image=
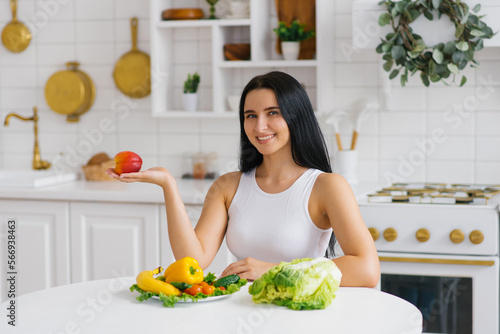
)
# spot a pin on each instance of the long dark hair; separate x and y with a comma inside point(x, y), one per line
point(308, 144)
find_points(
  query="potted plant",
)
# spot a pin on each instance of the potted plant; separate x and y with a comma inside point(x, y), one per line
point(190, 96)
point(291, 36)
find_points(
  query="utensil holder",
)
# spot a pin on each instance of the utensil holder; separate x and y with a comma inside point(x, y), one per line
point(345, 163)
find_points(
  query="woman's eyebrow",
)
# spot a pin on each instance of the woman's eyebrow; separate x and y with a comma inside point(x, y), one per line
point(265, 109)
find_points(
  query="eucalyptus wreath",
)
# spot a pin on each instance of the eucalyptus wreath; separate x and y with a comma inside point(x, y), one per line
point(407, 52)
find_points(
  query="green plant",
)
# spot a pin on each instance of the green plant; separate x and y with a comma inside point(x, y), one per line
point(409, 52)
point(294, 32)
point(191, 84)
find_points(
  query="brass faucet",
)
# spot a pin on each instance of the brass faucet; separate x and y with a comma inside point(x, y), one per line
point(38, 163)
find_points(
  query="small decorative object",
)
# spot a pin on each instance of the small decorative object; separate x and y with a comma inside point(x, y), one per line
point(237, 51)
point(409, 52)
point(212, 8)
point(291, 36)
point(190, 96)
point(182, 14)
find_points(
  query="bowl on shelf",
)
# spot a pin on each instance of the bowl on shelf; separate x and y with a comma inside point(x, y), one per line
point(237, 51)
point(182, 14)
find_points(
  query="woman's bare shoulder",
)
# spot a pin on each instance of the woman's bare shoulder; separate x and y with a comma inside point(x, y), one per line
point(226, 184)
point(331, 184)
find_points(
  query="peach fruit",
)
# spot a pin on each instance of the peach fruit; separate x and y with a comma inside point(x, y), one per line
point(127, 162)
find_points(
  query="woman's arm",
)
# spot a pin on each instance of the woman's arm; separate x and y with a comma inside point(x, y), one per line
point(360, 265)
point(203, 242)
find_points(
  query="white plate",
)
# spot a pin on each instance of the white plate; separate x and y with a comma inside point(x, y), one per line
point(208, 299)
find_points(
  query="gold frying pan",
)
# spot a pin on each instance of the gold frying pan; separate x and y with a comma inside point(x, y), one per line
point(15, 35)
point(132, 72)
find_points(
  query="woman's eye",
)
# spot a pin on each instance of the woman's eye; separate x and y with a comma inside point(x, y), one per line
point(250, 116)
point(273, 112)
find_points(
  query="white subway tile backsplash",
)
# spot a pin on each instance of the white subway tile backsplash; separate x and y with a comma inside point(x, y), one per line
point(344, 53)
point(96, 54)
point(178, 144)
point(444, 98)
point(487, 172)
point(56, 32)
point(396, 147)
point(54, 10)
point(221, 126)
point(450, 148)
point(487, 123)
point(352, 75)
point(406, 98)
point(18, 77)
point(401, 170)
point(402, 123)
point(488, 148)
point(25, 58)
point(450, 171)
point(185, 52)
point(367, 171)
point(179, 125)
point(91, 31)
point(137, 121)
point(129, 8)
point(58, 54)
point(94, 9)
point(141, 143)
point(18, 98)
point(450, 122)
point(223, 145)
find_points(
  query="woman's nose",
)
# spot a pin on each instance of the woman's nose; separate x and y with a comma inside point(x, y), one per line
point(261, 124)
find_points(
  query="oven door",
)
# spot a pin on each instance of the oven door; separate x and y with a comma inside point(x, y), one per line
point(456, 294)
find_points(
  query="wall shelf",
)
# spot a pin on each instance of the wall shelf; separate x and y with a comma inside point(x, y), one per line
point(221, 78)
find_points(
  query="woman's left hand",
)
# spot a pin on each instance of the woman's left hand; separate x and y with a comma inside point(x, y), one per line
point(248, 268)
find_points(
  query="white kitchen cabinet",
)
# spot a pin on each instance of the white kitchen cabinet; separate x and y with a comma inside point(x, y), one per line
point(223, 258)
point(113, 239)
point(226, 76)
point(42, 247)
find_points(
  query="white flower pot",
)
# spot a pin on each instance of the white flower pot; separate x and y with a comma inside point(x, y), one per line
point(190, 101)
point(290, 50)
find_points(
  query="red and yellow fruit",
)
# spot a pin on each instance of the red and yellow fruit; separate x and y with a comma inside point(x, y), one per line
point(127, 162)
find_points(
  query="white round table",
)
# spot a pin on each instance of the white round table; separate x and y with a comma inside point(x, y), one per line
point(108, 306)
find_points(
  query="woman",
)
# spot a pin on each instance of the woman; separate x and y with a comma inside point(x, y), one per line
point(284, 202)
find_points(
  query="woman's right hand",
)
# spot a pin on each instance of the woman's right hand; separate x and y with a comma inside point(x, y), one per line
point(155, 175)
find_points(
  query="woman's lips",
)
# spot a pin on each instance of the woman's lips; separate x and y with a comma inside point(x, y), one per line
point(265, 139)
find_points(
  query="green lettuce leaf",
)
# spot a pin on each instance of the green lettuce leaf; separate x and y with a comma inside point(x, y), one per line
point(303, 284)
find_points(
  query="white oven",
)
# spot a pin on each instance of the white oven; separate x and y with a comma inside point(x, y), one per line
point(439, 255)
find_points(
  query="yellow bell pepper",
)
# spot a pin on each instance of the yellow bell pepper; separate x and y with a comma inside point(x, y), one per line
point(147, 282)
point(185, 270)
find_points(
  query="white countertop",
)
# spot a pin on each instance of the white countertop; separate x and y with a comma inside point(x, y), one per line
point(107, 306)
point(192, 191)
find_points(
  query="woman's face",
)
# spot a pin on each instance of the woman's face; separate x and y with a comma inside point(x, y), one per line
point(264, 124)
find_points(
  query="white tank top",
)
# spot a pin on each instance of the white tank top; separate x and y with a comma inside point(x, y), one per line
point(274, 227)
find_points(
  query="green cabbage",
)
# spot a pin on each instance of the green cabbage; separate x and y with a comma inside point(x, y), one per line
point(303, 284)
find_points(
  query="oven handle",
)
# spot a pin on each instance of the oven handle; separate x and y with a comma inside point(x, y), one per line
point(437, 261)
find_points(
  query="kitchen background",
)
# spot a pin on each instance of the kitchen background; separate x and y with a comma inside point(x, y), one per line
point(397, 143)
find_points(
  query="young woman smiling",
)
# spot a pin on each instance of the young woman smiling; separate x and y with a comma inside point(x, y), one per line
point(284, 203)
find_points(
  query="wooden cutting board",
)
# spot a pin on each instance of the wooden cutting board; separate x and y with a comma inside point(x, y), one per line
point(305, 12)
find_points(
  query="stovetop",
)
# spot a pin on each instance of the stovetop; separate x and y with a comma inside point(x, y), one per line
point(437, 193)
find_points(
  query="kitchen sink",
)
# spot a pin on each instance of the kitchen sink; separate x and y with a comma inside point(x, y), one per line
point(34, 178)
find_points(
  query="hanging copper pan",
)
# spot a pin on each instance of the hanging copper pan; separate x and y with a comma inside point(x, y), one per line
point(70, 92)
point(15, 35)
point(132, 72)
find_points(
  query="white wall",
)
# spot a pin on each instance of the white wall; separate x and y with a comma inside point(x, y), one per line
point(397, 140)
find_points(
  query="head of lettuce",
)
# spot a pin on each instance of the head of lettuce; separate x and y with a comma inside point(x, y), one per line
point(303, 284)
